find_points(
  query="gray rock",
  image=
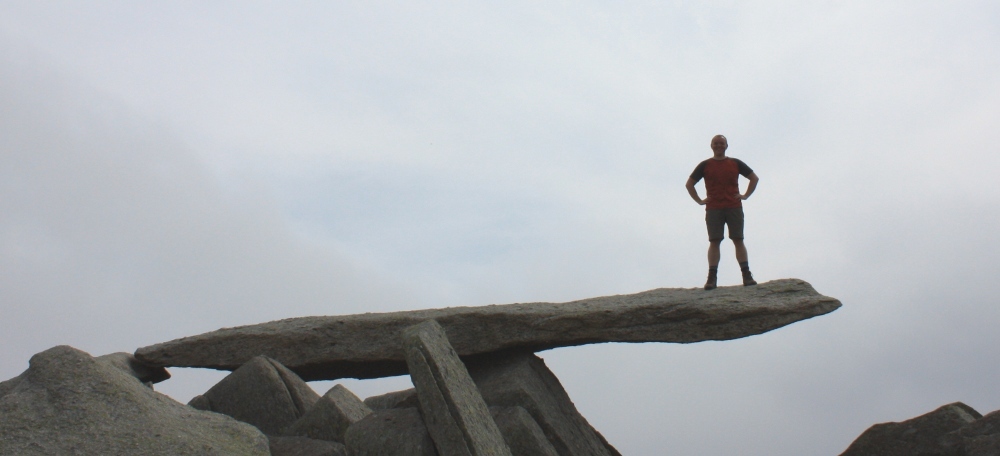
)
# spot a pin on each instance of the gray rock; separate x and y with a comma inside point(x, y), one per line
point(262, 393)
point(201, 403)
point(455, 414)
point(67, 402)
point(924, 435)
point(330, 417)
point(396, 399)
point(7, 385)
point(127, 363)
point(978, 438)
point(521, 432)
point(367, 345)
point(304, 446)
point(393, 432)
point(524, 381)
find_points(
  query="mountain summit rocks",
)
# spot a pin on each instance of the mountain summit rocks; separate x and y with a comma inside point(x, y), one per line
point(368, 345)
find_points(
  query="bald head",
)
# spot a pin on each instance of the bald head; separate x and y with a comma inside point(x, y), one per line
point(719, 145)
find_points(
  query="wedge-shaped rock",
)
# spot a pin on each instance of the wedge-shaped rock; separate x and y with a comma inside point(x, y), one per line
point(524, 381)
point(393, 432)
point(979, 438)
point(521, 432)
point(454, 412)
point(367, 345)
point(263, 393)
point(396, 399)
point(923, 435)
point(70, 403)
point(330, 417)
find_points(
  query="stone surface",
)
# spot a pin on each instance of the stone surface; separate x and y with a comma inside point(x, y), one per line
point(979, 438)
point(330, 417)
point(924, 435)
point(127, 363)
point(396, 399)
point(392, 432)
point(67, 402)
point(524, 381)
point(304, 446)
point(367, 345)
point(263, 393)
point(521, 432)
point(453, 410)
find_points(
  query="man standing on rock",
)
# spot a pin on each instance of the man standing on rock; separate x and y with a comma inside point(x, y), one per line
point(723, 205)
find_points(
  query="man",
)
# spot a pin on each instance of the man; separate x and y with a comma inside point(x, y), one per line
point(723, 205)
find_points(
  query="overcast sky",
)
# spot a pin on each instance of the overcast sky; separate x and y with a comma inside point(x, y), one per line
point(170, 168)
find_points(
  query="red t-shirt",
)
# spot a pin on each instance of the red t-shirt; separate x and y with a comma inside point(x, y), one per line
point(721, 181)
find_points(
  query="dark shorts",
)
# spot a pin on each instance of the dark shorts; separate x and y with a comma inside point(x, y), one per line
point(716, 219)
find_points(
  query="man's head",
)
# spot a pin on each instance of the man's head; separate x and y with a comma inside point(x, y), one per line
point(719, 145)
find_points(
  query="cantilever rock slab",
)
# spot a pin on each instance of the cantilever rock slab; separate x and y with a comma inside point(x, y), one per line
point(368, 345)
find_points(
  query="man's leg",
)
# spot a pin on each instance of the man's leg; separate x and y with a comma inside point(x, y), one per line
point(741, 257)
point(713, 264)
point(735, 221)
point(715, 221)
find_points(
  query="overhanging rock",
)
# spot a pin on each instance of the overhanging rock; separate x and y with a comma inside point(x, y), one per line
point(367, 345)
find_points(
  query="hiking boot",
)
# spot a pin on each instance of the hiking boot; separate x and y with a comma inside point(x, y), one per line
point(710, 283)
point(748, 279)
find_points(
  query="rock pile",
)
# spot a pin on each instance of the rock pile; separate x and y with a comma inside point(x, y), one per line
point(479, 389)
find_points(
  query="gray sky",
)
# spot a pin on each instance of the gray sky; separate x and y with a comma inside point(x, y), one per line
point(171, 168)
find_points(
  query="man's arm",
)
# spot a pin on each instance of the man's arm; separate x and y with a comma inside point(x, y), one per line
point(750, 188)
point(694, 193)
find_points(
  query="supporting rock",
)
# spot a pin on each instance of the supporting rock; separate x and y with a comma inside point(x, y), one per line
point(367, 345)
point(521, 432)
point(263, 393)
point(393, 432)
point(396, 399)
point(330, 417)
point(524, 381)
point(454, 412)
point(304, 446)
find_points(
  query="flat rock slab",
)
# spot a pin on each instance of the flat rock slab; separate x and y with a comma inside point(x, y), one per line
point(367, 345)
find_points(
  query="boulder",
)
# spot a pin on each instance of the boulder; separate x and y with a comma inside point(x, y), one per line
point(304, 446)
point(396, 399)
point(392, 432)
point(978, 438)
point(521, 432)
point(924, 435)
point(524, 381)
point(453, 410)
point(68, 402)
point(263, 393)
point(330, 417)
point(367, 345)
point(127, 363)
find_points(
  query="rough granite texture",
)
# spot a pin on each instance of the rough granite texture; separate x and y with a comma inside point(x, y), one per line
point(396, 399)
point(330, 417)
point(453, 410)
point(367, 345)
point(524, 381)
point(392, 432)
point(924, 435)
point(142, 371)
point(262, 393)
point(67, 403)
point(304, 446)
point(521, 432)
